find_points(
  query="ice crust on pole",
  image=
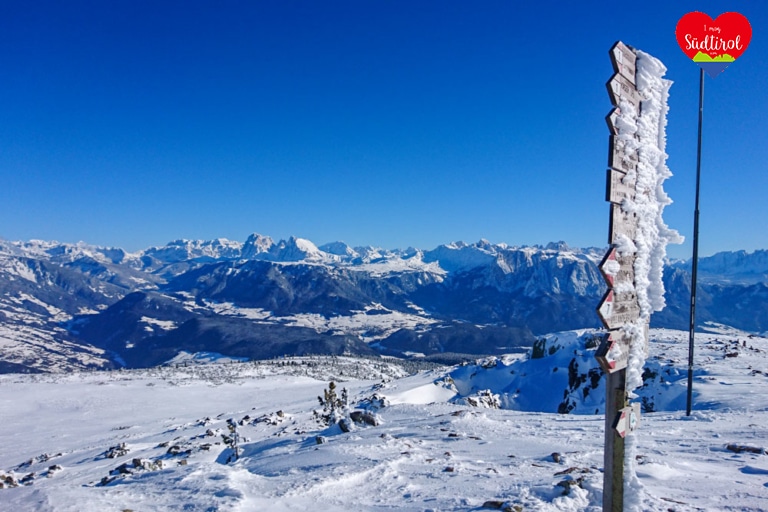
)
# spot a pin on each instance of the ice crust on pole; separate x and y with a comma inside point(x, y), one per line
point(648, 134)
point(653, 235)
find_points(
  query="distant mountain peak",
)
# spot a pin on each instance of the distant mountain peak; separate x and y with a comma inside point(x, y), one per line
point(294, 249)
point(557, 246)
point(340, 249)
point(256, 244)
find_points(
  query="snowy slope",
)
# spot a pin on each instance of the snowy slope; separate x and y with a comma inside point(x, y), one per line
point(428, 453)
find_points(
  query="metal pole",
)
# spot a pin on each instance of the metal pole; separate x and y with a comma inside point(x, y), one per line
point(695, 260)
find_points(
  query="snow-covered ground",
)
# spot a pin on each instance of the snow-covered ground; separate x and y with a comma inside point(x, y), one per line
point(373, 323)
point(151, 440)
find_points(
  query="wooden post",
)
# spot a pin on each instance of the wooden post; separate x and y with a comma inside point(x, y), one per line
point(613, 475)
point(618, 309)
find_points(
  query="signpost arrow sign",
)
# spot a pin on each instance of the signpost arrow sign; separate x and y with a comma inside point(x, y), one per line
point(623, 60)
point(628, 419)
point(618, 309)
point(620, 156)
point(613, 352)
point(621, 223)
point(619, 187)
point(618, 269)
point(619, 88)
point(620, 305)
point(611, 120)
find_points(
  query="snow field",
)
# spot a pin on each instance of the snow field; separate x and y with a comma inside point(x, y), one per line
point(430, 452)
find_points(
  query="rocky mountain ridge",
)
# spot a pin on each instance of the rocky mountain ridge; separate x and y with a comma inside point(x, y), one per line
point(75, 305)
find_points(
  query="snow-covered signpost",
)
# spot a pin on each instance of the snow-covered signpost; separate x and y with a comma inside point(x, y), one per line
point(634, 263)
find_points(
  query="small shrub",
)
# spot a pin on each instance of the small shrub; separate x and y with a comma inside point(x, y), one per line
point(232, 440)
point(334, 406)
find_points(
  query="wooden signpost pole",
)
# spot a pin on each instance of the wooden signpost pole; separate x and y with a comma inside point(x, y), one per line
point(629, 267)
point(613, 458)
point(620, 304)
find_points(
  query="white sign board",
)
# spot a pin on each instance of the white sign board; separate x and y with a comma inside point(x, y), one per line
point(628, 419)
point(623, 60)
point(618, 309)
point(613, 352)
point(619, 88)
point(622, 223)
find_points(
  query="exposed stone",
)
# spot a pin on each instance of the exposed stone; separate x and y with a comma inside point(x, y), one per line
point(122, 469)
point(9, 480)
point(573, 470)
point(738, 448)
point(364, 417)
point(116, 451)
point(178, 450)
point(107, 480)
point(374, 402)
point(569, 483)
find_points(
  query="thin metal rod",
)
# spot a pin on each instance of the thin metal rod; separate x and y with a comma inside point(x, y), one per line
point(695, 259)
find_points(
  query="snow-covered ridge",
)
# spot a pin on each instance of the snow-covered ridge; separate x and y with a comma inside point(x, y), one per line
point(532, 270)
point(734, 266)
point(182, 250)
point(477, 298)
point(64, 252)
point(452, 257)
point(360, 300)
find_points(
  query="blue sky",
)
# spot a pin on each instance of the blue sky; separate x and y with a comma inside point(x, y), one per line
point(387, 123)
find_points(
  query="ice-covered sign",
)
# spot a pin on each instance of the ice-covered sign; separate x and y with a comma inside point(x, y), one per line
point(617, 269)
point(621, 155)
point(622, 224)
point(620, 304)
point(619, 308)
point(613, 352)
point(619, 88)
point(619, 187)
point(612, 120)
point(633, 268)
point(623, 60)
point(628, 419)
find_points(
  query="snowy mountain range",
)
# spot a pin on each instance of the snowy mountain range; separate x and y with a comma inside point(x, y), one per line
point(67, 306)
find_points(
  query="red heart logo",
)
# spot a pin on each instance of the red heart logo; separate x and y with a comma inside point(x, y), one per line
point(713, 44)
